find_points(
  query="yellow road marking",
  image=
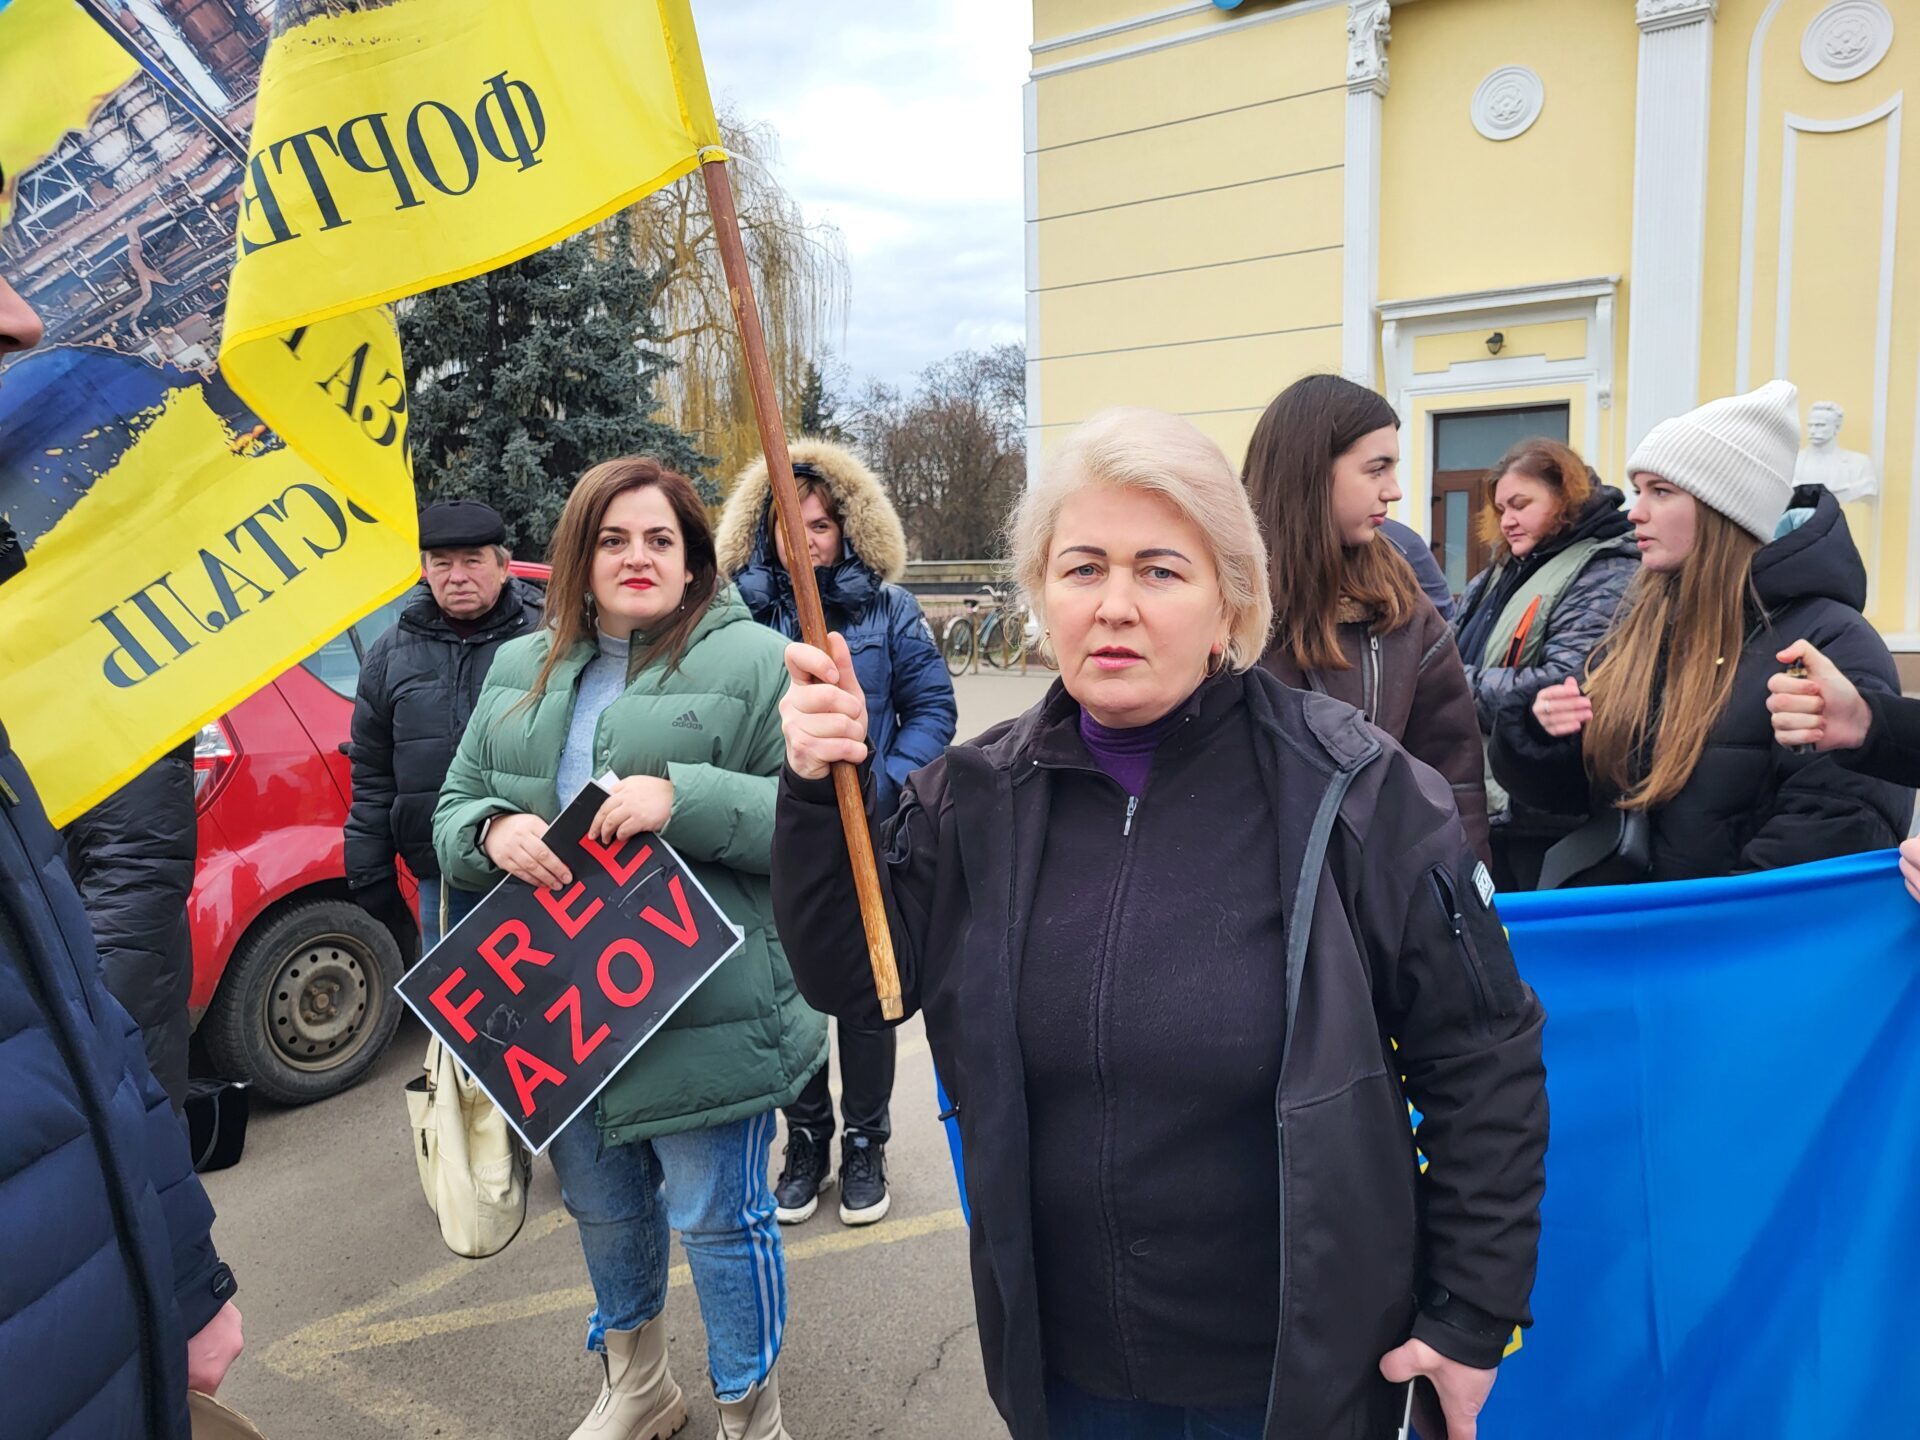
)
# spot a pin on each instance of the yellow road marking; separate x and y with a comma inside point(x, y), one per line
point(580, 1297)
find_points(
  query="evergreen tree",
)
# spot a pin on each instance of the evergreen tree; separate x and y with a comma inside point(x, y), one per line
point(818, 406)
point(524, 378)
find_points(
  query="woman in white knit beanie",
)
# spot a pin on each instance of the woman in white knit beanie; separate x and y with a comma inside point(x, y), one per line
point(1667, 743)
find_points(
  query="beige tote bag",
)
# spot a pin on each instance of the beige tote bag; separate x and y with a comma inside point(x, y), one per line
point(473, 1168)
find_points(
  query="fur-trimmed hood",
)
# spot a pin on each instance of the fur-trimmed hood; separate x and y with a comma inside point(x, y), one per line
point(872, 528)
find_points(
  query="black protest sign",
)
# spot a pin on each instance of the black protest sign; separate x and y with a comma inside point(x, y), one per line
point(543, 994)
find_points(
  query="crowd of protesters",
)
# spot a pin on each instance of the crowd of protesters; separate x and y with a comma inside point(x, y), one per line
point(1277, 754)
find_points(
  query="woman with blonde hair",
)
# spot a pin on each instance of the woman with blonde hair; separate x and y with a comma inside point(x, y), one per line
point(1666, 739)
point(1133, 918)
point(650, 666)
point(1350, 619)
point(1563, 553)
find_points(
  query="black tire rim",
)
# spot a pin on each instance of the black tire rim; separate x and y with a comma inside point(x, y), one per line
point(989, 638)
point(959, 646)
point(323, 1003)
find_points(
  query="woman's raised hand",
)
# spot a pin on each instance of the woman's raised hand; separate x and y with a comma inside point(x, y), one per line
point(824, 712)
point(1822, 708)
point(1562, 710)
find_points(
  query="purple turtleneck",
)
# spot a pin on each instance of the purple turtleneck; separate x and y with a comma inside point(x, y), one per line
point(1127, 755)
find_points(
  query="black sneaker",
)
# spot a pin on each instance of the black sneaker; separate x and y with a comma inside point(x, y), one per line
point(802, 1178)
point(863, 1181)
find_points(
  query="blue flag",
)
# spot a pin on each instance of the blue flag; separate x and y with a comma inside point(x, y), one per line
point(1731, 1231)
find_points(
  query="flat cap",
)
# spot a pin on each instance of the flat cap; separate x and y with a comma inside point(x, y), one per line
point(460, 525)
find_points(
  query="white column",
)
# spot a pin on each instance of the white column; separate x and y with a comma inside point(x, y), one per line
point(1667, 282)
point(1367, 36)
point(1030, 106)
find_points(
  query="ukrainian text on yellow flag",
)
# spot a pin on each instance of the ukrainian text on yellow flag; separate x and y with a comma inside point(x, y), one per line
point(412, 143)
point(178, 555)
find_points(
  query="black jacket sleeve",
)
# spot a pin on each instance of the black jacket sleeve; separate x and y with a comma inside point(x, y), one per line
point(1820, 807)
point(1537, 770)
point(132, 859)
point(1468, 1030)
point(817, 908)
point(369, 829)
point(1892, 751)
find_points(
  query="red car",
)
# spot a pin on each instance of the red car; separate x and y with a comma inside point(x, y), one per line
point(292, 981)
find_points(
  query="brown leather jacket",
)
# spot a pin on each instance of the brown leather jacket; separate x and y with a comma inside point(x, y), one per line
point(1412, 685)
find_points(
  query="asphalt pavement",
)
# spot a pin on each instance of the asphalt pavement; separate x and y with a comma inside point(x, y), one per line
point(360, 1325)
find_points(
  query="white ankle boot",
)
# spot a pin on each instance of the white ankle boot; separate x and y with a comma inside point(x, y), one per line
point(640, 1400)
point(757, 1417)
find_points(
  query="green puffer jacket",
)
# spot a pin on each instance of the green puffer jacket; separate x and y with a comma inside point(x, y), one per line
point(745, 1042)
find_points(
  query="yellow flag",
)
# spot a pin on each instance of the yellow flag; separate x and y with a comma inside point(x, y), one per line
point(177, 554)
point(413, 143)
point(41, 102)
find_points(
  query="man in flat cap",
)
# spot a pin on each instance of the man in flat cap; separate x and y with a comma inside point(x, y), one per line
point(418, 685)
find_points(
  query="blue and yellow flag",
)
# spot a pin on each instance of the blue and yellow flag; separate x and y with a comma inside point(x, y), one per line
point(207, 460)
point(178, 555)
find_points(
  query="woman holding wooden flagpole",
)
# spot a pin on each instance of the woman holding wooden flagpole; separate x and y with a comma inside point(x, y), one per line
point(1162, 928)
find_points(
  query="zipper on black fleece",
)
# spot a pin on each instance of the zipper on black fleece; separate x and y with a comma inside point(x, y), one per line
point(1442, 886)
point(1103, 972)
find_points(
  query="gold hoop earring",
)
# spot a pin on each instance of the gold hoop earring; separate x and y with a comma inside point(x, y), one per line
point(1216, 662)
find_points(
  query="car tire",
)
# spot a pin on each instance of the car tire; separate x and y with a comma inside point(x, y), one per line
point(307, 1003)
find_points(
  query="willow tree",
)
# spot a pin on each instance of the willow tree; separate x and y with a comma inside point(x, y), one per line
point(799, 274)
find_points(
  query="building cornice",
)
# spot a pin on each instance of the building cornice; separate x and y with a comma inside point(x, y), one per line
point(1663, 14)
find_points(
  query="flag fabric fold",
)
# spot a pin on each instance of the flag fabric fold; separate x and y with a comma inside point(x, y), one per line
point(207, 460)
point(409, 144)
point(1729, 1232)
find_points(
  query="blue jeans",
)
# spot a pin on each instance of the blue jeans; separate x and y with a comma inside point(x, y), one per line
point(716, 1195)
point(459, 902)
point(1075, 1415)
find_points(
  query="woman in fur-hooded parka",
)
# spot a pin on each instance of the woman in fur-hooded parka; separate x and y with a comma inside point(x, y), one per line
point(910, 705)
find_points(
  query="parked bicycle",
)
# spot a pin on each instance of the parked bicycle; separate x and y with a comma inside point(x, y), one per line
point(994, 628)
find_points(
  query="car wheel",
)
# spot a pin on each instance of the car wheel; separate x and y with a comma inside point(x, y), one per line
point(307, 1003)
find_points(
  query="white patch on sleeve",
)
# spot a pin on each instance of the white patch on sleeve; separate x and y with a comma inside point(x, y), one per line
point(1483, 882)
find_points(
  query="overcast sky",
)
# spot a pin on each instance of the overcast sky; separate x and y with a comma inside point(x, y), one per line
point(899, 123)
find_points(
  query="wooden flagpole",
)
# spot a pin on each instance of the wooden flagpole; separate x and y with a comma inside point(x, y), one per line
point(806, 593)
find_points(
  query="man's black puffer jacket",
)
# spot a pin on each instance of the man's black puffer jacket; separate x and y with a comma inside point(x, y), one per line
point(132, 858)
point(1750, 804)
point(107, 1266)
point(418, 685)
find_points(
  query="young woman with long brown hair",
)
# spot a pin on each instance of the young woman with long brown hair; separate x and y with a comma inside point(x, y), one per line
point(650, 666)
point(1563, 554)
point(1349, 616)
point(1669, 726)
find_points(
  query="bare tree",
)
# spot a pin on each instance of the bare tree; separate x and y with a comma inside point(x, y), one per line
point(799, 274)
point(953, 453)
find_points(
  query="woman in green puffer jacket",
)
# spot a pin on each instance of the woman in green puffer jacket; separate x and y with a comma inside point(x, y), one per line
point(649, 667)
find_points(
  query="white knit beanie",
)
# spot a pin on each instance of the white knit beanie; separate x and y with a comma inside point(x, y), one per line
point(1734, 455)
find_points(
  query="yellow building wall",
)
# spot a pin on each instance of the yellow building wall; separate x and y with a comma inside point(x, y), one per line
point(1834, 316)
point(1189, 198)
point(1464, 213)
point(1190, 212)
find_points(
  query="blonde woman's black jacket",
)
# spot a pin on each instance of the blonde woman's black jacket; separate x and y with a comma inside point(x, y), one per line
point(1385, 938)
point(1750, 803)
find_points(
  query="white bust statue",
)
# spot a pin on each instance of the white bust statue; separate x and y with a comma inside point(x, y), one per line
point(1847, 473)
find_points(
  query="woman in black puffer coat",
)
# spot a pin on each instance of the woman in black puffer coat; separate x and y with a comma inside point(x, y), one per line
point(1673, 721)
point(1563, 556)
